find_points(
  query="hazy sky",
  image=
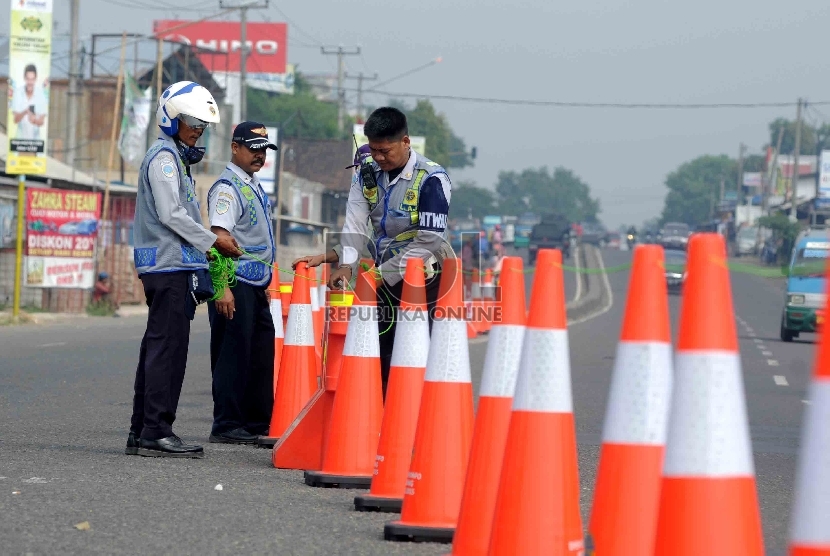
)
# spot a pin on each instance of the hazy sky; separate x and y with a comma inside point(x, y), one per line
point(596, 51)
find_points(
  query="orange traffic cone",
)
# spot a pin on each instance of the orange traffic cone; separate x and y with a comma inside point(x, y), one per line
point(298, 374)
point(322, 290)
point(445, 424)
point(476, 318)
point(276, 316)
point(403, 396)
point(537, 507)
point(286, 289)
point(349, 453)
point(488, 300)
point(627, 495)
point(317, 318)
point(501, 366)
point(302, 444)
point(809, 529)
point(708, 501)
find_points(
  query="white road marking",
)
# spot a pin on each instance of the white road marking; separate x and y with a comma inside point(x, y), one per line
point(53, 344)
point(758, 340)
point(780, 380)
point(751, 331)
point(766, 353)
point(607, 286)
point(805, 402)
point(772, 362)
point(578, 293)
point(483, 338)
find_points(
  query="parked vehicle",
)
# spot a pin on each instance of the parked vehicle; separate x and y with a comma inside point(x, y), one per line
point(553, 232)
point(524, 226)
point(675, 265)
point(805, 297)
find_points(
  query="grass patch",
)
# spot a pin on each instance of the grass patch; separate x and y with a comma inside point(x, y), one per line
point(100, 309)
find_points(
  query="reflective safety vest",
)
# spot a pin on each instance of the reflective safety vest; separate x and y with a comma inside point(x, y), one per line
point(393, 211)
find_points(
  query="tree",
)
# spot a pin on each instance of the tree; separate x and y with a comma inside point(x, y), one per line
point(808, 136)
point(537, 190)
point(469, 199)
point(442, 145)
point(300, 116)
point(694, 188)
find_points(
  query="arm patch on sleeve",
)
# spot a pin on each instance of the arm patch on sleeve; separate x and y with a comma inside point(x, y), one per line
point(433, 206)
point(167, 165)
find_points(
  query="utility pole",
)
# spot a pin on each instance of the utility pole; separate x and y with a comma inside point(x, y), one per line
point(794, 173)
point(243, 52)
point(741, 151)
point(74, 89)
point(360, 79)
point(341, 94)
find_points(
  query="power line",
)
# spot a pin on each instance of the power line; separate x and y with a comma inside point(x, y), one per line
point(567, 104)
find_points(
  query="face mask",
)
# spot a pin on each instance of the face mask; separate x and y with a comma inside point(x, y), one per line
point(193, 155)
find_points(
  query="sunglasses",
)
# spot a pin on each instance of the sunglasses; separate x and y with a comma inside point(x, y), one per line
point(193, 123)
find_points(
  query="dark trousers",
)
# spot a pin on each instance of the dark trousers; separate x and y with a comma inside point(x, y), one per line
point(242, 363)
point(388, 301)
point(163, 356)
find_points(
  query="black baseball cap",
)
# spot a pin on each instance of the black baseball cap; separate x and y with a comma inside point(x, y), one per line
point(252, 135)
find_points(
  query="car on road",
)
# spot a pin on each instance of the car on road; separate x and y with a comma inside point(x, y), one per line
point(553, 232)
point(805, 298)
point(614, 240)
point(523, 228)
point(675, 235)
point(593, 234)
point(675, 265)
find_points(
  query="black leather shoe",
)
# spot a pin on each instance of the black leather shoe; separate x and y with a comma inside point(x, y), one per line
point(132, 444)
point(236, 436)
point(170, 447)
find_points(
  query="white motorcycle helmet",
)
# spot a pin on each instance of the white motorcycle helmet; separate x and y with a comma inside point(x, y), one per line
point(189, 101)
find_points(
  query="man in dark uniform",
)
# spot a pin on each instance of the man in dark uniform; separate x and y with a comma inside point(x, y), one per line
point(171, 247)
point(241, 328)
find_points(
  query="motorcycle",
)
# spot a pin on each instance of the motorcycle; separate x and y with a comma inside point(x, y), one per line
point(631, 239)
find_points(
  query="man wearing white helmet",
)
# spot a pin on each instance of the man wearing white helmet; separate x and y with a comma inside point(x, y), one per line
point(171, 247)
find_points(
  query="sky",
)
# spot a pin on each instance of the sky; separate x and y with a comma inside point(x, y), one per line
point(602, 51)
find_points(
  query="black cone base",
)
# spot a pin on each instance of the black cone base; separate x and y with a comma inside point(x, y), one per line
point(397, 531)
point(369, 503)
point(324, 480)
point(267, 441)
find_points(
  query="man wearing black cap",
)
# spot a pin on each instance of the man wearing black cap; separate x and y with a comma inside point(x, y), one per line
point(241, 328)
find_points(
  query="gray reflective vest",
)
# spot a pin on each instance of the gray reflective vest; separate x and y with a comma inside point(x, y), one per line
point(253, 231)
point(157, 247)
point(394, 211)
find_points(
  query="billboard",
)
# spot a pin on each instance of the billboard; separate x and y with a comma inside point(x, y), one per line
point(268, 173)
point(62, 227)
point(30, 51)
point(266, 43)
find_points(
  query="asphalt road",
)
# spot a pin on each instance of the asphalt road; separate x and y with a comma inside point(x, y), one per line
point(65, 401)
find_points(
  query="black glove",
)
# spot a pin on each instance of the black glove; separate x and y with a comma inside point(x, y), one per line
point(199, 290)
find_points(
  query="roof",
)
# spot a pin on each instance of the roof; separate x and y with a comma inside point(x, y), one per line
point(184, 65)
point(58, 173)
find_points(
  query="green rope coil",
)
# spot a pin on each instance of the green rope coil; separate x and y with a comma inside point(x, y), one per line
point(222, 271)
